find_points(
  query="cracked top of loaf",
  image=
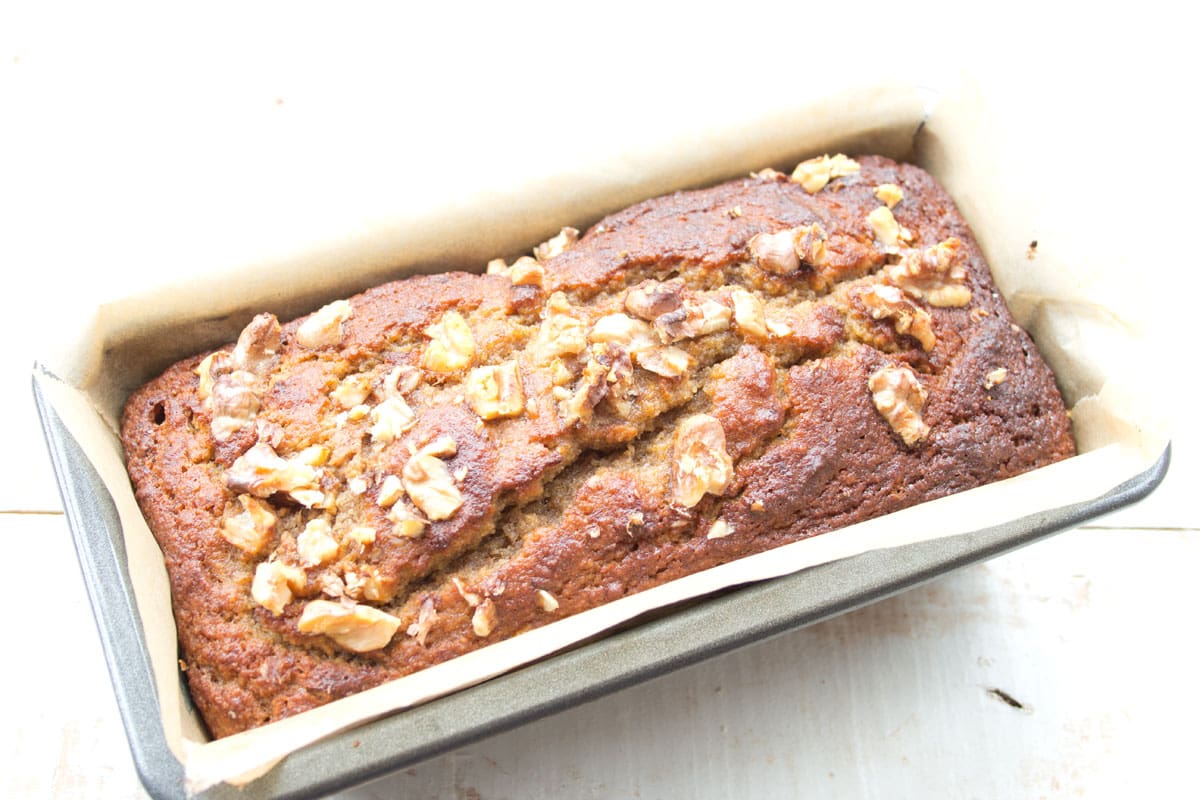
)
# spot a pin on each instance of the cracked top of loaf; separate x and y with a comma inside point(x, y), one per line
point(449, 460)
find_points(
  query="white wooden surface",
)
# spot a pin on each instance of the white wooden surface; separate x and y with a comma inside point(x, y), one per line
point(1092, 633)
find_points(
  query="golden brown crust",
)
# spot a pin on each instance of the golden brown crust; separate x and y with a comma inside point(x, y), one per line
point(692, 394)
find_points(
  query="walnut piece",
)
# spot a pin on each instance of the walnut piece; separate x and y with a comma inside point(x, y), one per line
point(496, 391)
point(484, 620)
point(261, 472)
point(203, 371)
point(274, 583)
point(719, 530)
point(405, 521)
point(352, 391)
point(391, 419)
point(324, 327)
point(364, 583)
point(590, 390)
point(428, 481)
point(888, 231)
point(257, 348)
point(669, 362)
point(775, 252)
point(748, 313)
point(900, 398)
point(622, 330)
point(556, 244)
point(888, 302)
point(784, 251)
point(700, 463)
point(452, 347)
point(560, 334)
point(234, 403)
point(355, 627)
point(363, 534)
point(402, 380)
point(472, 599)
point(889, 193)
point(994, 378)
point(316, 544)
point(815, 173)
point(935, 274)
point(425, 619)
point(390, 491)
point(252, 528)
point(651, 299)
point(527, 272)
point(547, 601)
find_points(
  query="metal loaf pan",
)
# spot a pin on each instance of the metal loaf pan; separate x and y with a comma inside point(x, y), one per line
point(687, 635)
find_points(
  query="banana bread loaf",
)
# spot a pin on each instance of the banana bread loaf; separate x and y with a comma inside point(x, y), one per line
point(446, 461)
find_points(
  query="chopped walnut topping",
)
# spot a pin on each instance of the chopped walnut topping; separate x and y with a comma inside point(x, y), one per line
point(363, 534)
point(405, 521)
point(900, 397)
point(784, 251)
point(472, 599)
point(364, 583)
point(811, 245)
point(547, 601)
point(390, 491)
point(590, 390)
point(692, 319)
point(887, 230)
point(261, 472)
point(719, 530)
point(484, 620)
point(994, 378)
point(357, 485)
point(331, 585)
point(428, 481)
point(767, 174)
point(527, 272)
point(274, 583)
point(496, 391)
point(352, 391)
point(324, 328)
point(560, 333)
point(257, 348)
point(700, 465)
point(234, 402)
point(425, 619)
point(355, 627)
point(935, 274)
point(390, 419)
point(316, 544)
point(888, 302)
point(252, 528)
point(669, 362)
point(777, 328)
point(402, 380)
point(889, 194)
point(452, 347)
point(816, 173)
point(203, 371)
point(775, 252)
point(556, 244)
point(651, 299)
point(748, 313)
point(622, 330)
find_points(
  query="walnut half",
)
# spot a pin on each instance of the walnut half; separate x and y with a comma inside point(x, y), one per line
point(355, 627)
point(700, 464)
point(900, 398)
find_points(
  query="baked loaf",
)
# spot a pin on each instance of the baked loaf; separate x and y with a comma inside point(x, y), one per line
point(446, 461)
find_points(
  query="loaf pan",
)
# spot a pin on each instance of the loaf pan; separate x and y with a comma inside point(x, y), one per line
point(716, 625)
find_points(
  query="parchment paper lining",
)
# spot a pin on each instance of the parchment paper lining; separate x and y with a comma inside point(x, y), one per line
point(1072, 317)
